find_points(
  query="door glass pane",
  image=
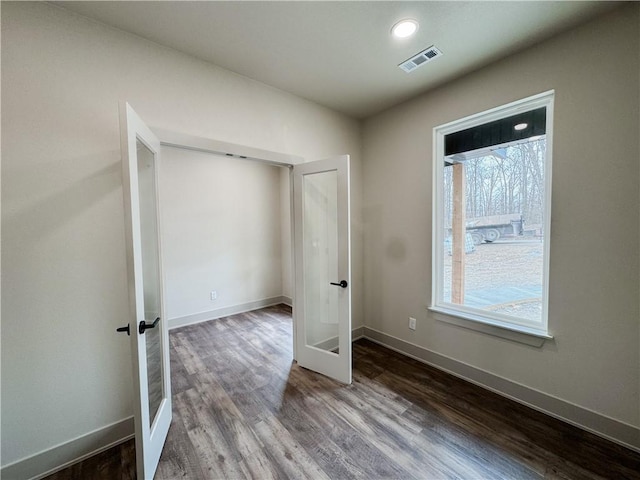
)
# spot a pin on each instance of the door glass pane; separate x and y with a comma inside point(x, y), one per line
point(151, 274)
point(320, 249)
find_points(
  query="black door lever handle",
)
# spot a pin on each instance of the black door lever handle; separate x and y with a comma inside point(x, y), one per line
point(144, 326)
point(124, 329)
point(343, 284)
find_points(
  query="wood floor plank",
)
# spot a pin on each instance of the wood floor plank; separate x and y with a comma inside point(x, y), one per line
point(428, 401)
point(389, 438)
point(535, 443)
point(221, 408)
point(179, 458)
point(191, 361)
point(469, 446)
point(217, 459)
point(286, 452)
point(327, 437)
point(260, 467)
point(244, 409)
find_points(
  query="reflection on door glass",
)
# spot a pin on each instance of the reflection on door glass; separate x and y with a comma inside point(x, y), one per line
point(151, 275)
point(320, 250)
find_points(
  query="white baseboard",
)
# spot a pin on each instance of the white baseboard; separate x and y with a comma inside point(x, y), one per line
point(288, 301)
point(601, 425)
point(61, 456)
point(226, 311)
point(357, 333)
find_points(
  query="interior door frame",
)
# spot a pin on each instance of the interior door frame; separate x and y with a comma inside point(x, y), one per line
point(170, 138)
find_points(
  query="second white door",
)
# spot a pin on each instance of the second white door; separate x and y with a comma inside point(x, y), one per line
point(323, 266)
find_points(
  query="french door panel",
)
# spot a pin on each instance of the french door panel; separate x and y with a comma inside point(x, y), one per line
point(322, 267)
point(147, 323)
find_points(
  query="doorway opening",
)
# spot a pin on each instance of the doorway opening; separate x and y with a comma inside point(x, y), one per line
point(226, 228)
point(267, 234)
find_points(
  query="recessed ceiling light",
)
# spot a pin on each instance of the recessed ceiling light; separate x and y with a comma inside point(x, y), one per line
point(520, 126)
point(404, 28)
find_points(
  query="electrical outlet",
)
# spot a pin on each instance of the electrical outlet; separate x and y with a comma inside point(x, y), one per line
point(214, 295)
point(412, 323)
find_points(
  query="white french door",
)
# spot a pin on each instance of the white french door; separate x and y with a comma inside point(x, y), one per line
point(323, 267)
point(147, 322)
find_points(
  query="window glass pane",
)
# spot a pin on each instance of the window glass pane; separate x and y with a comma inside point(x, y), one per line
point(504, 202)
point(491, 222)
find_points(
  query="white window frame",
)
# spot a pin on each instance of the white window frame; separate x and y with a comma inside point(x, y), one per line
point(517, 329)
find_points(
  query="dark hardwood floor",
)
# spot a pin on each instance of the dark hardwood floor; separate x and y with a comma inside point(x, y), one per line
point(243, 409)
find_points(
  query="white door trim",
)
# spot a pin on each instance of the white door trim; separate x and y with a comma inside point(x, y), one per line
point(184, 141)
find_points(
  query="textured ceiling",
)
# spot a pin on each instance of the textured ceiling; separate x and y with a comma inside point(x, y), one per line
point(341, 54)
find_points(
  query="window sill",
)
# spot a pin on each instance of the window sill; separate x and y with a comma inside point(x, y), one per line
point(516, 333)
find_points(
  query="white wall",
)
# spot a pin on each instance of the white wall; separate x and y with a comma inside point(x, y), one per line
point(65, 372)
point(593, 362)
point(221, 226)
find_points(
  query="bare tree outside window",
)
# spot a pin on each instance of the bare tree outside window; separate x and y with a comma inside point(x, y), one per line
point(504, 195)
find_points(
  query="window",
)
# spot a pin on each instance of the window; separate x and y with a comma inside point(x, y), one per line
point(492, 194)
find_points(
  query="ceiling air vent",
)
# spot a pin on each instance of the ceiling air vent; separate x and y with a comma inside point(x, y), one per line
point(420, 59)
